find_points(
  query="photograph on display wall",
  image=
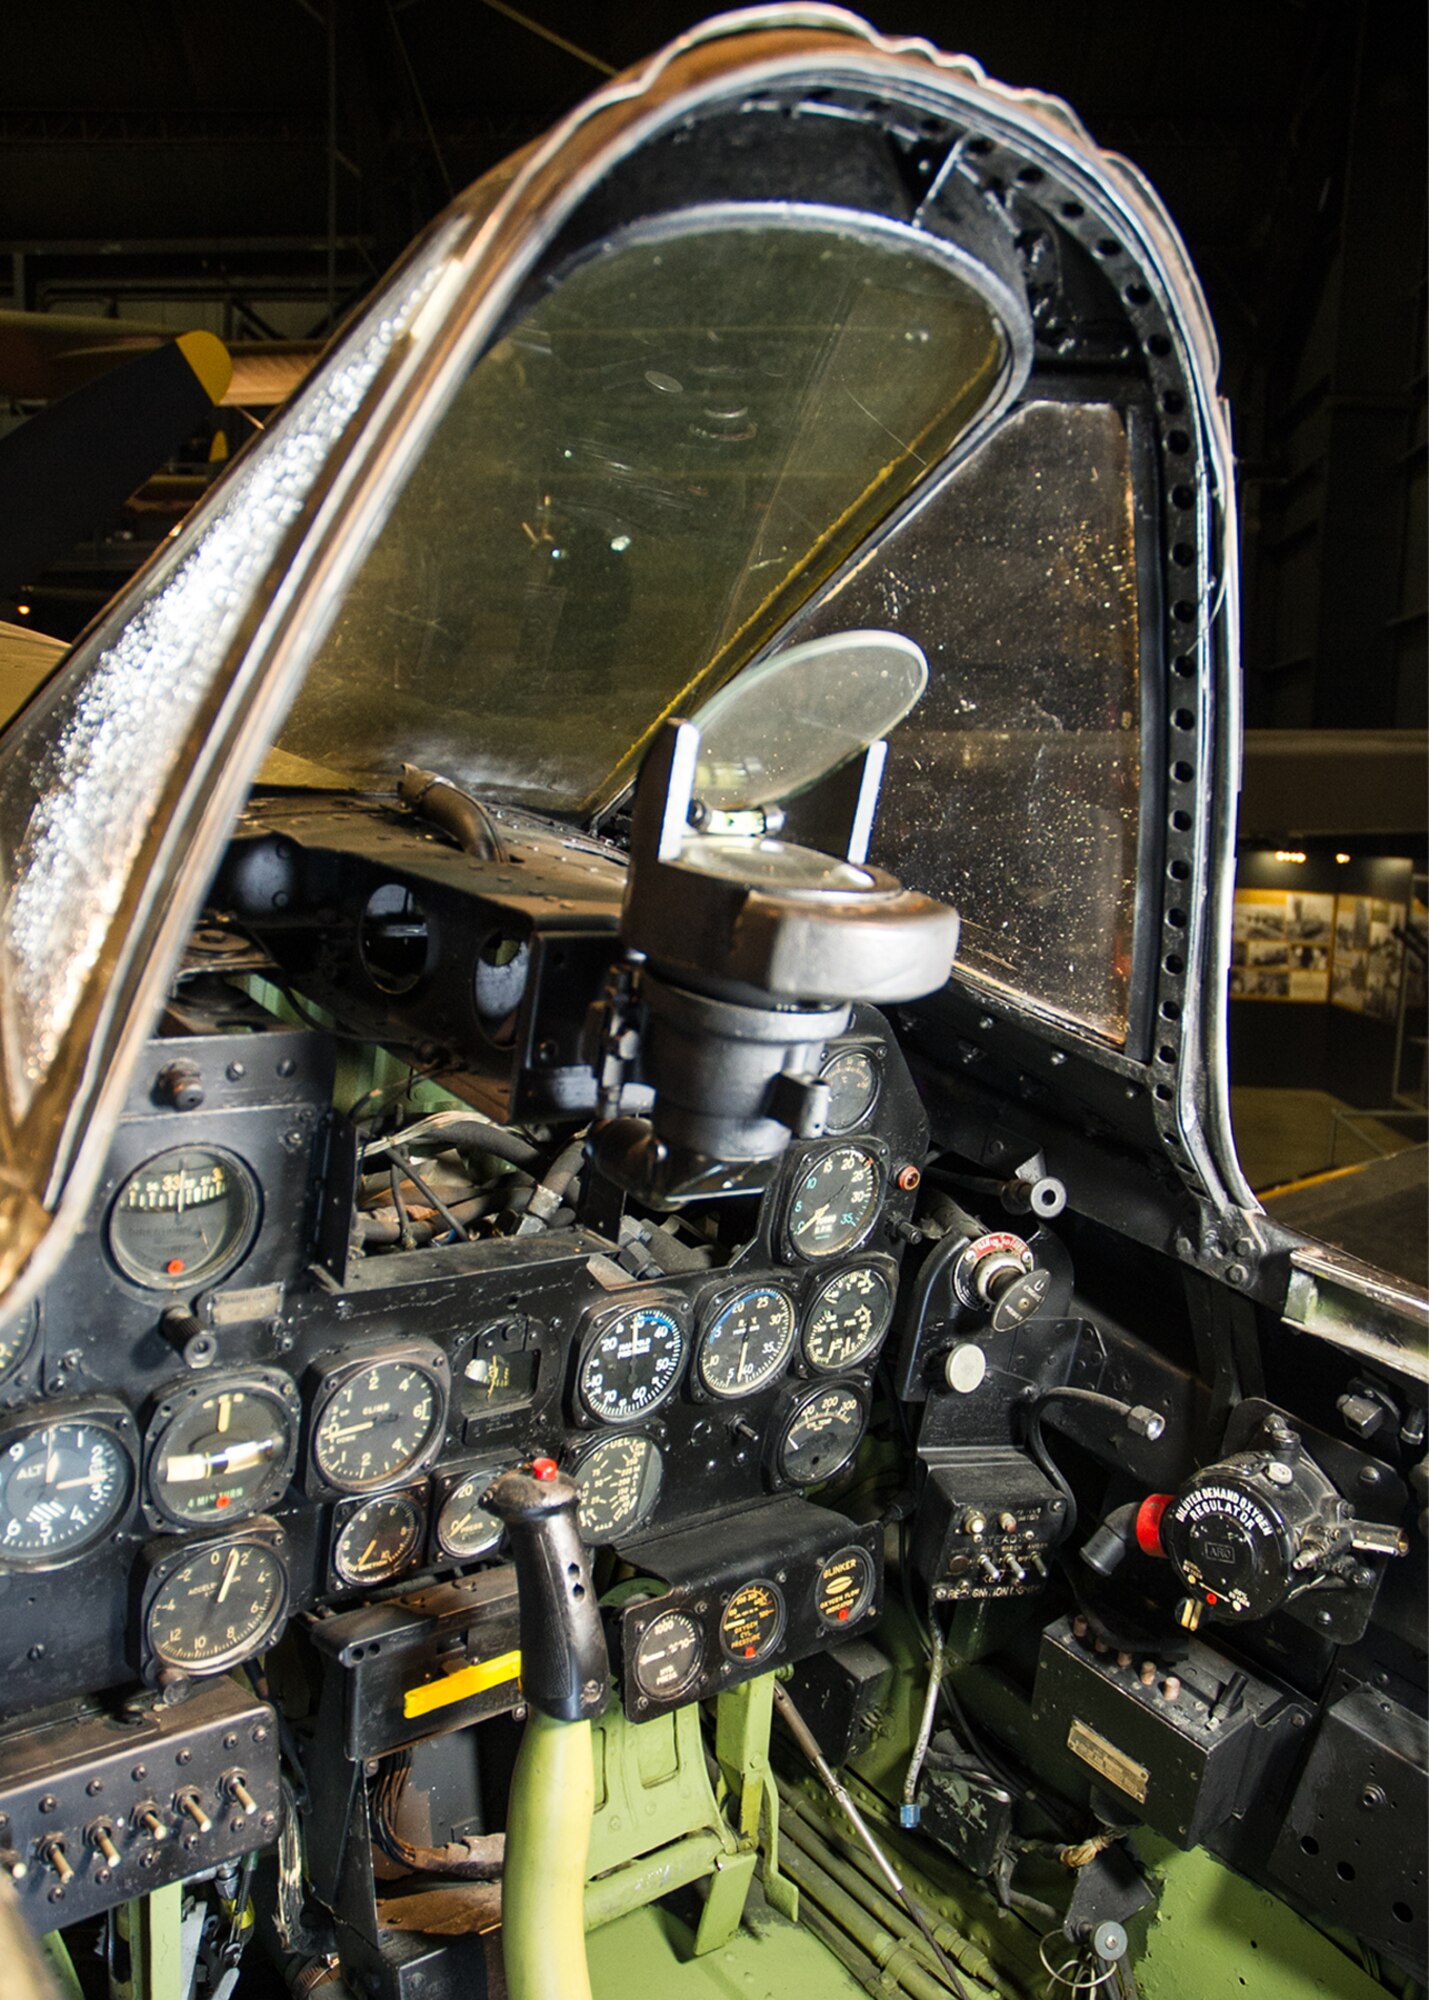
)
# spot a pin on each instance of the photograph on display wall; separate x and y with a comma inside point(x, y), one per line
point(1281, 945)
point(1384, 963)
point(1350, 970)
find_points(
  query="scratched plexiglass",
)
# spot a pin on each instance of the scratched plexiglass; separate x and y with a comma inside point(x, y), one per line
point(631, 492)
point(85, 770)
point(1013, 789)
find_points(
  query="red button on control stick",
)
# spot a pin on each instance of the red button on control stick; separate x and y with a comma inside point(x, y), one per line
point(544, 1468)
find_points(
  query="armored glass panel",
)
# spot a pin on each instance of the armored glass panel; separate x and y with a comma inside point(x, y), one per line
point(631, 492)
point(1012, 789)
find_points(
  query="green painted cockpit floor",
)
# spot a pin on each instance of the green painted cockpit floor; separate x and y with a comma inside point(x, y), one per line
point(648, 1953)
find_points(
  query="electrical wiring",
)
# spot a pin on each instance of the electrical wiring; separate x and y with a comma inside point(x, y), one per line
point(478, 1858)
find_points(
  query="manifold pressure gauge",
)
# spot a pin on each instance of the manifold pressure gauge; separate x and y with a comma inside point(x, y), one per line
point(376, 1539)
point(184, 1218)
point(631, 1362)
point(211, 1604)
point(668, 1656)
point(846, 1318)
point(822, 1429)
point(221, 1450)
point(835, 1202)
point(747, 1342)
point(618, 1480)
point(465, 1530)
point(378, 1419)
point(64, 1484)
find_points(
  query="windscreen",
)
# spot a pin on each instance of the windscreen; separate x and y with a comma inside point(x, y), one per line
point(1012, 791)
point(630, 492)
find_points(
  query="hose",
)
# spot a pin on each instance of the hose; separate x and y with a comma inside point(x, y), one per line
point(911, 1812)
point(463, 1130)
point(551, 1191)
point(478, 1858)
point(456, 812)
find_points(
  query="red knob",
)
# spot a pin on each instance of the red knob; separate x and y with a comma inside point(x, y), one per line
point(1148, 1523)
point(546, 1468)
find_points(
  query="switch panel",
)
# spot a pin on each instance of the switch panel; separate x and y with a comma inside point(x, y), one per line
point(96, 1809)
point(986, 1523)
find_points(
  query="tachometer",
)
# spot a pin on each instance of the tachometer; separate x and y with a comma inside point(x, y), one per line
point(846, 1318)
point(63, 1486)
point(376, 1540)
point(822, 1430)
point(632, 1363)
point(835, 1202)
point(214, 1605)
point(184, 1218)
point(619, 1482)
point(747, 1342)
point(224, 1449)
point(378, 1420)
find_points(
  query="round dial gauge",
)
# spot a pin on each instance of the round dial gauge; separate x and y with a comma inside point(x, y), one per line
point(845, 1586)
point(377, 1426)
point(221, 1604)
point(618, 1481)
point(63, 1486)
point(632, 1364)
point(225, 1452)
point(668, 1656)
point(852, 1077)
point(378, 1539)
point(747, 1342)
point(16, 1338)
point(752, 1623)
point(184, 1218)
point(846, 1318)
point(821, 1433)
point(834, 1203)
point(465, 1529)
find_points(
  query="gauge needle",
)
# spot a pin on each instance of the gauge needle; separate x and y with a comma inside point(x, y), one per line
point(362, 1559)
point(68, 1485)
point(353, 1430)
point(818, 1215)
point(230, 1571)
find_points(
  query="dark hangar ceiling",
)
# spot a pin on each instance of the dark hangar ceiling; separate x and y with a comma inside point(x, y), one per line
point(254, 167)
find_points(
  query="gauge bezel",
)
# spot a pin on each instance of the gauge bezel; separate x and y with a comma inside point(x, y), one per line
point(444, 1485)
point(776, 1637)
point(198, 1277)
point(712, 1309)
point(873, 1056)
point(332, 1373)
point(862, 1603)
point(883, 1268)
point(598, 1323)
point(105, 1413)
point(29, 1341)
point(162, 1561)
point(669, 1696)
point(876, 1154)
point(587, 1450)
point(181, 1397)
point(788, 1416)
point(349, 1510)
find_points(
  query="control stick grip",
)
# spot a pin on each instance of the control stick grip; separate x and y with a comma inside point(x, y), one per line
point(565, 1669)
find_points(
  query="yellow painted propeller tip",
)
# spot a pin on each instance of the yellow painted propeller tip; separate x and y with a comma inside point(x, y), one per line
point(210, 361)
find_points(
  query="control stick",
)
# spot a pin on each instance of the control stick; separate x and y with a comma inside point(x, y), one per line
point(565, 1676)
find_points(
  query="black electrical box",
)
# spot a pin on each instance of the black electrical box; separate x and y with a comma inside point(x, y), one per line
point(987, 1517)
point(1351, 1845)
point(1186, 1750)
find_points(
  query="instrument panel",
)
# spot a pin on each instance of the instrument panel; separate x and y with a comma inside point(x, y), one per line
point(211, 1422)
